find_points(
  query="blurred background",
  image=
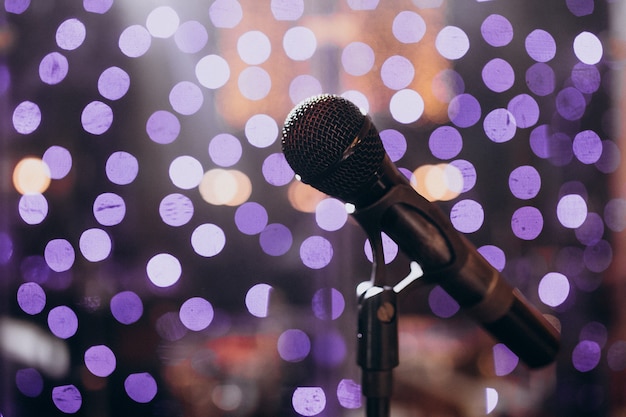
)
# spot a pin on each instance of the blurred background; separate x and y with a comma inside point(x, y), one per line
point(158, 257)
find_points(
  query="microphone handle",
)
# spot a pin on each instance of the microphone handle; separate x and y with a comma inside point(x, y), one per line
point(448, 259)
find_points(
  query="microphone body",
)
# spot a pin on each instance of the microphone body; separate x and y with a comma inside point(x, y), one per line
point(332, 146)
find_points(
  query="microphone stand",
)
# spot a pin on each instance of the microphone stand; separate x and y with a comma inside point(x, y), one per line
point(377, 336)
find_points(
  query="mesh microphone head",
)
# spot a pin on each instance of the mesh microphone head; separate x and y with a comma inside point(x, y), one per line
point(324, 144)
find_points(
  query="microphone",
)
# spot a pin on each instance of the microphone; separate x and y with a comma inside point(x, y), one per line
point(331, 145)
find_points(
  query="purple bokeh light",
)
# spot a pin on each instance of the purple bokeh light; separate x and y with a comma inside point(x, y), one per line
point(34, 268)
point(225, 13)
point(498, 75)
point(553, 289)
point(540, 45)
point(328, 304)
point(126, 307)
point(141, 387)
point(109, 209)
point(276, 170)
point(26, 117)
point(16, 6)
point(59, 160)
point(598, 257)
point(169, 327)
point(496, 30)
point(304, 86)
point(357, 58)
point(31, 298)
point(394, 143)
point(525, 182)
point(33, 208)
point(308, 401)
point(441, 303)
point(135, 41)
point(614, 214)
point(586, 78)
point(287, 9)
point(464, 110)
point(591, 231)
point(196, 313)
point(408, 27)
point(251, 218)
point(100, 360)
point(452, 42)
point(186, 98)
point(67, 398)
point(275, 239)
point(494, 255)
point(121, 168)
point(504, 360)
point(59, 255)
point(445, 142)
point(70, 34)
point(97, 117)
point(29, 381)
point(468, 171)
point(500, 125)
point(467, 216)
point(261, 130)
point(208, 240)
point(53, 68)
point(316, 252)
point(63, 322)
point(97, 6)
point(293, 345)
point(258, 299)
point(225, 150)
point(397, 72)
point(163, 127)
point(329, 348)
point(586, 355)
point(611, 157)
point(587, 147)
point(525, 110)
point(540, 79)
point(570, 103)
point(95, 244)
point(113, 83)
point(349, 394)
point(527, 222)
point(191, 37)
point(331, 214)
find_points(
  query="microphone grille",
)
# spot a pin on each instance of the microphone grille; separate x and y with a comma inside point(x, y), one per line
point(315, 136)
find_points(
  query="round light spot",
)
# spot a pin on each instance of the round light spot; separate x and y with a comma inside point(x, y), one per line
point(394, 143)
point(540, 79)
point(467, 216)
point(196, 314)
point(251, 218)
point(408, 27)
point(113, 83)
point(95, 244)
point(261, 130)
point(53, 68)
point(299, 43)
point(186, 172)
point(208, 240)
point(331, 214)
point(494, 255)
point(258, 300)
point(588, 48)
point(441, 303)
point(525, 182)
point(140, 387)
point(126, 307)
point(31, 176)
point(571, 211)
point(586, 355)
point(287, 9)
point(498, 75)
point(97, 6)
point(500, 125)
point(527, 222)
point(316, 252)
point(212, 71)
point(452, 42)
point(59, 255)
point(163, 270)
point(33, 208)
point(328, 304)
point(504, 360)
point(540, 45)
point(100, 360)
point(225, 150)
point(67, 398)
point(304, 86)
point(26, 117)
point(109, 209)
point(70, 34)
point(254, 47)
point(587, 147)
point(121, 168)
point(406, 106)
point(553, 289)
point(96, 117)
point(176, 209)
point(349, 394)
point(162, 22)
point(397, 72)
point(497, 30)
point(524, 109)
point(226, 13)
point(308, 401)
point(163, 127)
point(31, 298)
point(357, 58)
point(63, 322)
point(186, 98)
point(275, 239)
point(29, 382)
point(276, 170)
point(254, 83)
point(191, 37)
point(293, 345)
point(59, 161)
point(464, 110)
point(135, 41)
point(390, 249)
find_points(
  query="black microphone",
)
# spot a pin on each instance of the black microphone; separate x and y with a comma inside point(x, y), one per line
point(331, 145)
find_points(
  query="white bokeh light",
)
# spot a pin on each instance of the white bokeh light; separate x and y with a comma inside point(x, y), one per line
point(164, 270)
point(162, 22)
point(588, 48)
point(186, 172)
